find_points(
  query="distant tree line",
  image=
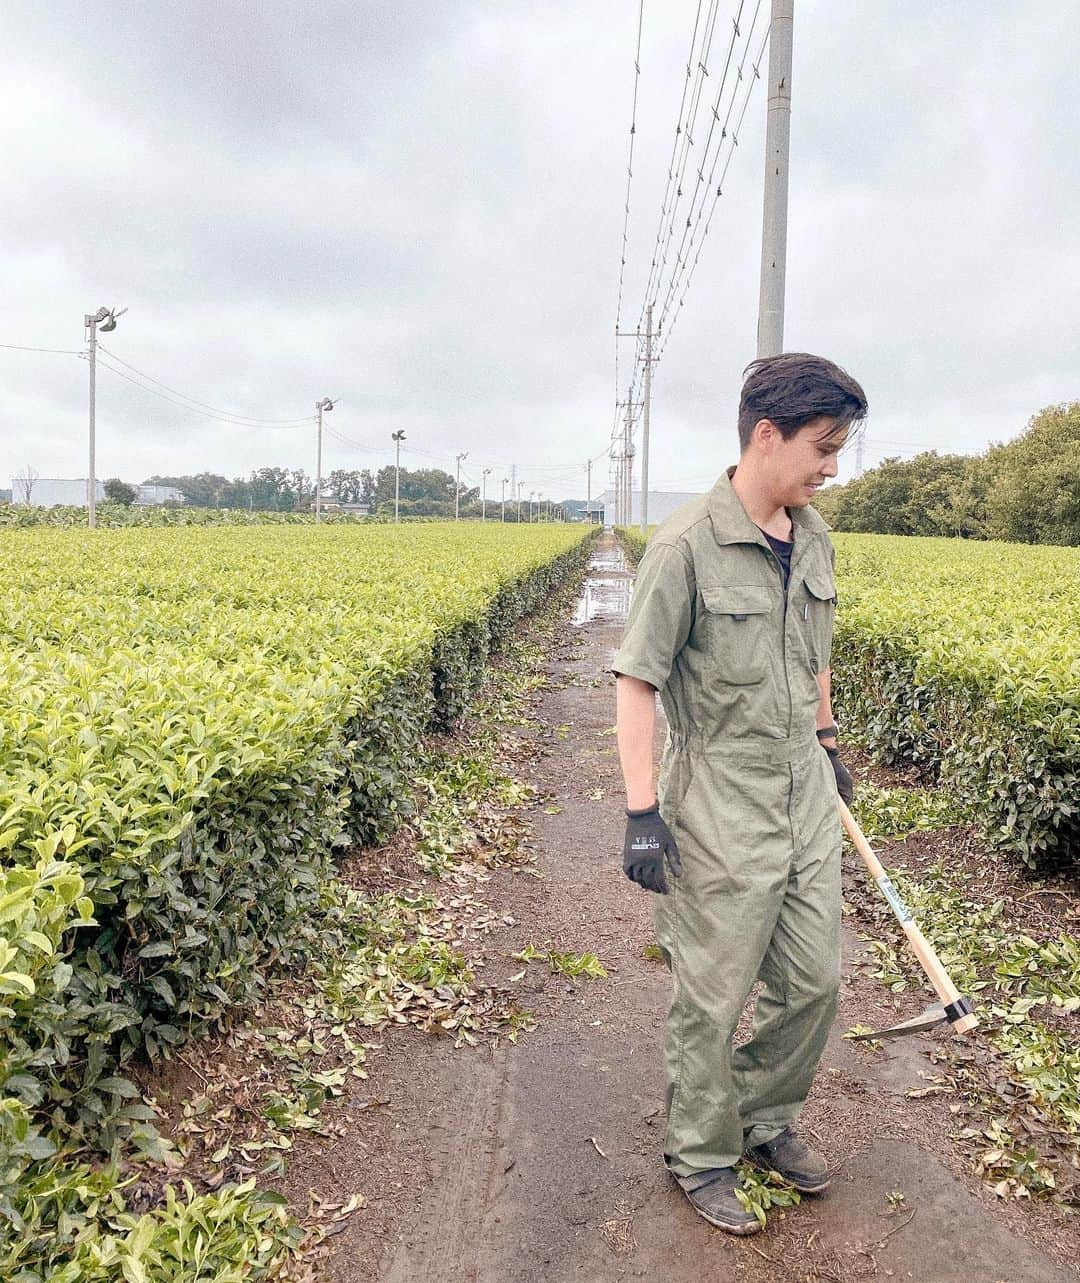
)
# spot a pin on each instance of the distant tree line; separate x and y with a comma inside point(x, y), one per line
point(1027, 491)
point(424, 492)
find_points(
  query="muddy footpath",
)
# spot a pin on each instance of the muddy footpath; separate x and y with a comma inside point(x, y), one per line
point(541, 1159)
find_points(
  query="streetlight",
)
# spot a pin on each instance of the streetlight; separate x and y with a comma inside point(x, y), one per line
point(320, 406)
point(397, 438)
point(539, 504)
point(106, 317)
point(457, 484)
point(483, 494)
point(519, 486)
point(505, 482)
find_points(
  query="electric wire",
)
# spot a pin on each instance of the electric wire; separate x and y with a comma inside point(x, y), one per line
point(194, 409)
point(202, 405)
point(715, 118)
point(734, 140)
point(629, 177)
point(59, 351)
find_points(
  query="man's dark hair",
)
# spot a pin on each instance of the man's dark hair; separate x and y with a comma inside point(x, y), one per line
point(794, 388)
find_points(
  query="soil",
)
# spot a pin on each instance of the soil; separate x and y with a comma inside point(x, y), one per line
point(541, 1160)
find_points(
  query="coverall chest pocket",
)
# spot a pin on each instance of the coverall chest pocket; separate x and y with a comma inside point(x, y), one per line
point(819, 609)
point(737, 641)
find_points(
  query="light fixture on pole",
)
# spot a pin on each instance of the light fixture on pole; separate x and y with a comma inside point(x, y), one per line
point(104, 318)
point(483, 494)
point(397, 438)
point(457, 485)
point(320, 406)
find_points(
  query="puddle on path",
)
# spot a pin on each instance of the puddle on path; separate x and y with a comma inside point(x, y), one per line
point(607, 588)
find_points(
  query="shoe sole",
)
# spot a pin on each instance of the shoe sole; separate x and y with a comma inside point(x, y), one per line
point(819, 1188)
point(753, 1227)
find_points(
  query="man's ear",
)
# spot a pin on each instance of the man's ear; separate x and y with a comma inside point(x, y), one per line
point(765, 435)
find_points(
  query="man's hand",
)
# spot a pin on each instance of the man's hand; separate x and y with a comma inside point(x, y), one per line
point(648, 840)
point(844, 783)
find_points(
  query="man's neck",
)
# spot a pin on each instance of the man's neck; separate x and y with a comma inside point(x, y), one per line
point(763, 511)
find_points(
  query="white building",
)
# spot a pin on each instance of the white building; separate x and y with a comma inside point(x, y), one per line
point(52, 492)
point(662, 503)
point(151, 496)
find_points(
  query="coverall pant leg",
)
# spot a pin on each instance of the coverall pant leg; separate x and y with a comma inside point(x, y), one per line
point(759, 898)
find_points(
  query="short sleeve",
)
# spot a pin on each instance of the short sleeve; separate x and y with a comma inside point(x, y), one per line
point(661, 615)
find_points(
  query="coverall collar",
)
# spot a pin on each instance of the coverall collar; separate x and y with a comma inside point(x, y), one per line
point(732, 525)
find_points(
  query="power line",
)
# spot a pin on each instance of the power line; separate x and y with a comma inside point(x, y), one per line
point(60, 351)
point(734, 136)
point(202, 405)
point(191, 409)
point(629, 176)
point(674, 151)
point(687, 143)
point(700, 187)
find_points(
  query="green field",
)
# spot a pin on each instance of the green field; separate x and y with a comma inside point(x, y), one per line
point(192, 722)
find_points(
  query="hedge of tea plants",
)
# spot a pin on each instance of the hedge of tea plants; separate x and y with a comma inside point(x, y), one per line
point(191, 721)
point(964, 658)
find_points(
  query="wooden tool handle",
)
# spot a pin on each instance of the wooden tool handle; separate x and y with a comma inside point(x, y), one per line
point(924, 950)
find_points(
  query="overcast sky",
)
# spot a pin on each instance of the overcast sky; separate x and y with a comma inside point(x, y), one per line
point(418, 208)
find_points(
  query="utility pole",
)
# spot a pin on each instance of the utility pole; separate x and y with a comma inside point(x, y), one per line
point(397, 438)
point(106, 318)
point(483, 494)
point(457, 485)
point(859, 453)
point(320, 406)
point(588, 492)
point(502, 515)
point(519, 485)
point(777, 145)
point(645, 422)
point(628, 466)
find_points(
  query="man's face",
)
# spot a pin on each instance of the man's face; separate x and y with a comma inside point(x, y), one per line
point(799, 466)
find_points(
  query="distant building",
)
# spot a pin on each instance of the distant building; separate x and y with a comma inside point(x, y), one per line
point(5, 496)
point(662, 503)
point(53, 492)
point(155, 496)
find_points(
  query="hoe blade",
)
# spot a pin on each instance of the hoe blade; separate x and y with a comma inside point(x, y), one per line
point(930, 1017)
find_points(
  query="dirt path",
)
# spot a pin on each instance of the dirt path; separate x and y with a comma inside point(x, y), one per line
point(541, 1160)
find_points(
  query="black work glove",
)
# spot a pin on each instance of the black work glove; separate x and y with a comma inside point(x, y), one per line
point(648, 840)
point(844, 784)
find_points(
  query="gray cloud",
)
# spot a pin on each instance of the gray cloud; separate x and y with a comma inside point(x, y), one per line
point(418, 208)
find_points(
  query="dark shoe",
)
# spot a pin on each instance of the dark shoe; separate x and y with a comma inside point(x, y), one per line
point(795, 1161)
point(712, 1194)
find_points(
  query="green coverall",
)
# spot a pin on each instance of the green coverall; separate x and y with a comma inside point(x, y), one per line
point(750, 798)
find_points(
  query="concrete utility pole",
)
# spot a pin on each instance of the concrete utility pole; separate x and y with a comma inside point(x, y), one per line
point(483, 494)
point(397, 438)
point(320, 406)
point(457, 485)
point(105, 318)
point(774, 222)
point(519, 485)
point(645, 422)
point(859, 452)
point(588, 492)
point(627, 516)
point(502, 515)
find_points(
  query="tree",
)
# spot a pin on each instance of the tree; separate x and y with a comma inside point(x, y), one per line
point(120, 492)
point(24, 485)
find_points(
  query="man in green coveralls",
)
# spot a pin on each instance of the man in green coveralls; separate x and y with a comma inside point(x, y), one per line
point(732, 621)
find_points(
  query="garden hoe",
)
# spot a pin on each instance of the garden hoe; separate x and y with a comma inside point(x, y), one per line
point(954, 1008)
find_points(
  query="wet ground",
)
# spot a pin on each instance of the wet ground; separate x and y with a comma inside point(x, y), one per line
point(541, 1160)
